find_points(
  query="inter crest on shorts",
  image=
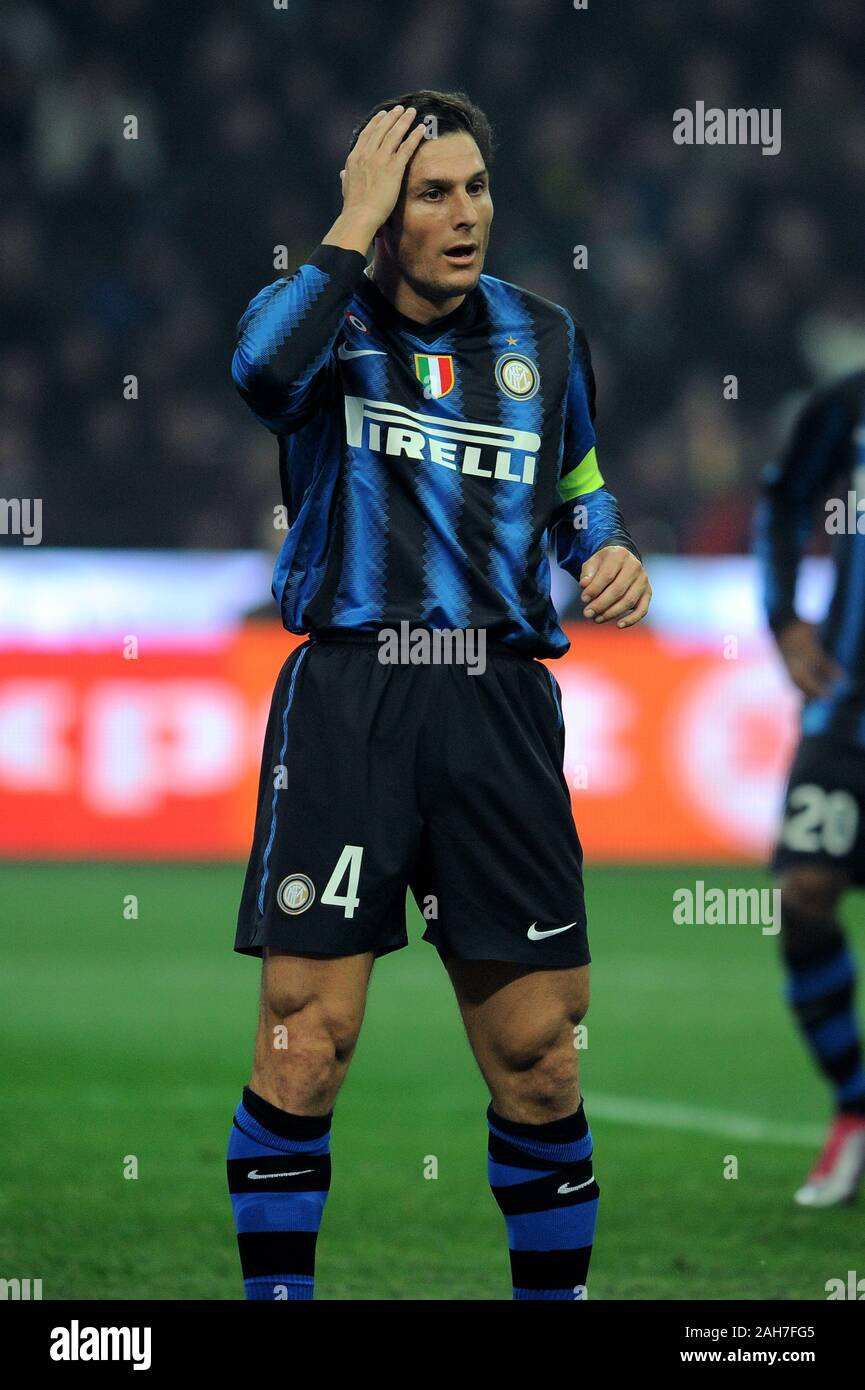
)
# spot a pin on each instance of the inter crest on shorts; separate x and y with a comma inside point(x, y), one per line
point(435, 372)
point(295, 894)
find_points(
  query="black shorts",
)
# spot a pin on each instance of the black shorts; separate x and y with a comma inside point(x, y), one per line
point(376, 778)
point(823, 820)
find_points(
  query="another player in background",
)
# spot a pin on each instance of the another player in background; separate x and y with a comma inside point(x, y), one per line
point(821, 845)
point(435, 432)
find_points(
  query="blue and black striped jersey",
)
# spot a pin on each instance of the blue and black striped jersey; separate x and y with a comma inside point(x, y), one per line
point(425, 468)
point(826, 449)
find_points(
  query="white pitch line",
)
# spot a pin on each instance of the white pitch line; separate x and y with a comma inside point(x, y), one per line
point(661, 1114)
point(625, 1110)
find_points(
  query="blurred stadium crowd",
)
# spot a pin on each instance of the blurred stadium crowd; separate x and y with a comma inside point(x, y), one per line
point(138, 256)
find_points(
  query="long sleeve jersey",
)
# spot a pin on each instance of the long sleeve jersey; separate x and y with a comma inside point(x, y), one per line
point(425, 468)
point(826, 451)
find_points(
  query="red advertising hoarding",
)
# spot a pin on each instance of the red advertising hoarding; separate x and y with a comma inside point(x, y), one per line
point(674, 751)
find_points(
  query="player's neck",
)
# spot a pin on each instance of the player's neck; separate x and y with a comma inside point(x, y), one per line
point(405, 299)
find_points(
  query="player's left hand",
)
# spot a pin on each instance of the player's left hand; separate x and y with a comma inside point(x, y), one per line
point(615, 586)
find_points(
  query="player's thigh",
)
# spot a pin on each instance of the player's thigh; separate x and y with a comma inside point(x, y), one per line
point(310, 1016)
point(515, 1016)
point(315, 993)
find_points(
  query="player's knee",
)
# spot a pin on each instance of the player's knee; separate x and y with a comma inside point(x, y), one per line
point(549, 1080)
point(554, 1075)
point(309, 1033)
point(809, 894)
point(544, 1054)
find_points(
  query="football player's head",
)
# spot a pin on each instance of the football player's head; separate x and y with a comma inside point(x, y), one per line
point(436, 237)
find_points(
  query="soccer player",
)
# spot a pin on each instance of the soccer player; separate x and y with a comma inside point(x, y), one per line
point(435, 431)
point(820, 852)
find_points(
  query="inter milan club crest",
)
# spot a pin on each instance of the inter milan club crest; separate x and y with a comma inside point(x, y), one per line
point(435, 373)
point(517, 376)
point(295, 894)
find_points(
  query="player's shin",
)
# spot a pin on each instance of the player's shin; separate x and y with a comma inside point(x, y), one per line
point(821, 985)
point(279, 1178)
point(542, 1178)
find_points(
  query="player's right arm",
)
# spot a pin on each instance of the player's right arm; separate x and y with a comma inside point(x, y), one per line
point(287, 334)
point(784, 521)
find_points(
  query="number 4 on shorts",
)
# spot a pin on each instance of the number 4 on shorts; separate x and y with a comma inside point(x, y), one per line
point(348, 862)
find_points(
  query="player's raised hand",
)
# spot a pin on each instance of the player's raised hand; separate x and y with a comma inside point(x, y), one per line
point(373, 175)
point(810, 666)
point(615, 586)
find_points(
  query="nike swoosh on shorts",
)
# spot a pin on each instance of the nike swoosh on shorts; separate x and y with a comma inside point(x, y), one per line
point(554, 931)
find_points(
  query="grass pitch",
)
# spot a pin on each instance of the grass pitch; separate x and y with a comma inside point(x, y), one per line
point(131, 1040)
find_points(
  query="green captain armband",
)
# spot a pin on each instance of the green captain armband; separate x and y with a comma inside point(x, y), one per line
point(586, 477)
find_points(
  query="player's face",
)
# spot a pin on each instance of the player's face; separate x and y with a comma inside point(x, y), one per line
point(440, 227)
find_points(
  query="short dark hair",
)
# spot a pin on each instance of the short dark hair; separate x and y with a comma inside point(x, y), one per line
point(453, 112)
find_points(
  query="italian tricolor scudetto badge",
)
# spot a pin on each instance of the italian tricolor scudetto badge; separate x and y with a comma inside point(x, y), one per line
point(435, 373)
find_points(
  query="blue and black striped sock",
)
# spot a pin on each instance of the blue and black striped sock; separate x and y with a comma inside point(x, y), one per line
point(279, 1178)
point(821, 988)
point(542, 1179)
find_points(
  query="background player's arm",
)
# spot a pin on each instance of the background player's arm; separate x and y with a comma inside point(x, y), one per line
point(784, 521)
point(287, 334)
point(591, 540)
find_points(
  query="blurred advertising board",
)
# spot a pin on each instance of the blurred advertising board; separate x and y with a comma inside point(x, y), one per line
point(132, 712)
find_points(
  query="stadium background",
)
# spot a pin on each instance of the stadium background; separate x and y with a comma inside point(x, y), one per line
point(126, 774)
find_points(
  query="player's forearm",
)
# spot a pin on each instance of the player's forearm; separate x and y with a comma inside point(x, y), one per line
point(352, 231)
point(790, 490)
point(592, 520)
point(289, 329)
point(780, 537)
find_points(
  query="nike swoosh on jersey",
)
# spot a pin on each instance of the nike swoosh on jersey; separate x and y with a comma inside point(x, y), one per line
point(298, 1173)
point(566, 1187)
point(554, 931)
point(345, 352)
